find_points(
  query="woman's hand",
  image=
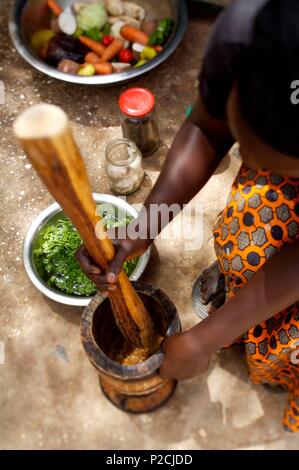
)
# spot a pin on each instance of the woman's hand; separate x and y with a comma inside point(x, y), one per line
point(185, 357)
point(124, 249)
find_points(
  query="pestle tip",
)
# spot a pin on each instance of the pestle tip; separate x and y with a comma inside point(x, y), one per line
point(40, 121)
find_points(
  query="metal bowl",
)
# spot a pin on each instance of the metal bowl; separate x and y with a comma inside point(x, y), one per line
point(44, 218)
point(29, 16)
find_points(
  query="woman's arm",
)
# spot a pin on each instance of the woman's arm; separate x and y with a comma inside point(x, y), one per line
point(272, 289)
point(198, 148)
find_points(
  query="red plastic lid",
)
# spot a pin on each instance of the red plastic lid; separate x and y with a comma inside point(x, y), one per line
point(137, 102)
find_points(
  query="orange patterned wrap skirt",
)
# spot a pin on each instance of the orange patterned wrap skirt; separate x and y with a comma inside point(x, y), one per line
point(261, 216)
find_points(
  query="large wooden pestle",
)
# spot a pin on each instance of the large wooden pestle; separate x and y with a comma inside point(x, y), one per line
point(45, 135)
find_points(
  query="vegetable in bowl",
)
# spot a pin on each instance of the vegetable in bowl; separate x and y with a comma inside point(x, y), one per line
point(54, 255)
point(116, 31)
point(92, 16)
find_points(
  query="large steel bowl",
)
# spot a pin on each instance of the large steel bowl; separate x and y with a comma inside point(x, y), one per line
point(45, 218)
point(29, 16)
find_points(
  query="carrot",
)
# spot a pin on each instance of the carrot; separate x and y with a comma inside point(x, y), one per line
point(54, 7)
point(134, 35)
point(111, 51)
point(103, 68)
point(43, 52)
point(158, 48)
point(95, 46)
point(92, 58)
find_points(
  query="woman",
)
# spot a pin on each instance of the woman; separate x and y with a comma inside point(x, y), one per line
point(245, 96)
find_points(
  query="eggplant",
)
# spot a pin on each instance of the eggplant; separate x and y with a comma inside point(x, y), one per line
point(62, 47)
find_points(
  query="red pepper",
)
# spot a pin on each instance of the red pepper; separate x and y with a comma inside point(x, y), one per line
point(126, 56)
point(107, 40)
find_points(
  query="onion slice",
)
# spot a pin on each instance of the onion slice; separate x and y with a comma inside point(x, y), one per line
point(67, 22)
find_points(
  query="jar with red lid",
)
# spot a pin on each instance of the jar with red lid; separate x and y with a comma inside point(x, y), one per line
point(138, 119)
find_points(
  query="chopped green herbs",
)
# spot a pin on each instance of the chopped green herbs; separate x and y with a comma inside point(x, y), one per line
point(54, 259)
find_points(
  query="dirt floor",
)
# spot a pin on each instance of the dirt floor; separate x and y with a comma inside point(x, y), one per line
point(49, 393)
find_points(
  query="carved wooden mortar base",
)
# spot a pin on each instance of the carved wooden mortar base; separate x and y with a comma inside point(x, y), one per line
point(135, 388)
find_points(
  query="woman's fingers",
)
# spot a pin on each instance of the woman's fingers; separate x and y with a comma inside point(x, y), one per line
point(94, 273)
point(102, 281)
point(85, 261)
point(116, 265)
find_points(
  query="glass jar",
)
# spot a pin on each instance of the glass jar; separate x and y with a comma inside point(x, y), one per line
point(138, 119)
point(124, 167)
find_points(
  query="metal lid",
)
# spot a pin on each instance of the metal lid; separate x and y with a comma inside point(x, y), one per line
point(137, 102)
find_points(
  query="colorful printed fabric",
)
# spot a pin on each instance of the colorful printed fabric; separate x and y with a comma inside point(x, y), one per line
point(261, 216)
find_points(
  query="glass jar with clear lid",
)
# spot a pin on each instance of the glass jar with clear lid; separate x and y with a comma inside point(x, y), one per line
point(124, 167)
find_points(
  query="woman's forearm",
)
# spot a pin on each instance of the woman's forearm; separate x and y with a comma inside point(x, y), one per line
point(198, 148)
point(272, 289)
point(190, 162)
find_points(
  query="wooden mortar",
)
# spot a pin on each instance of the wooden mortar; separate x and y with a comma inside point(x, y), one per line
point(136, 388)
